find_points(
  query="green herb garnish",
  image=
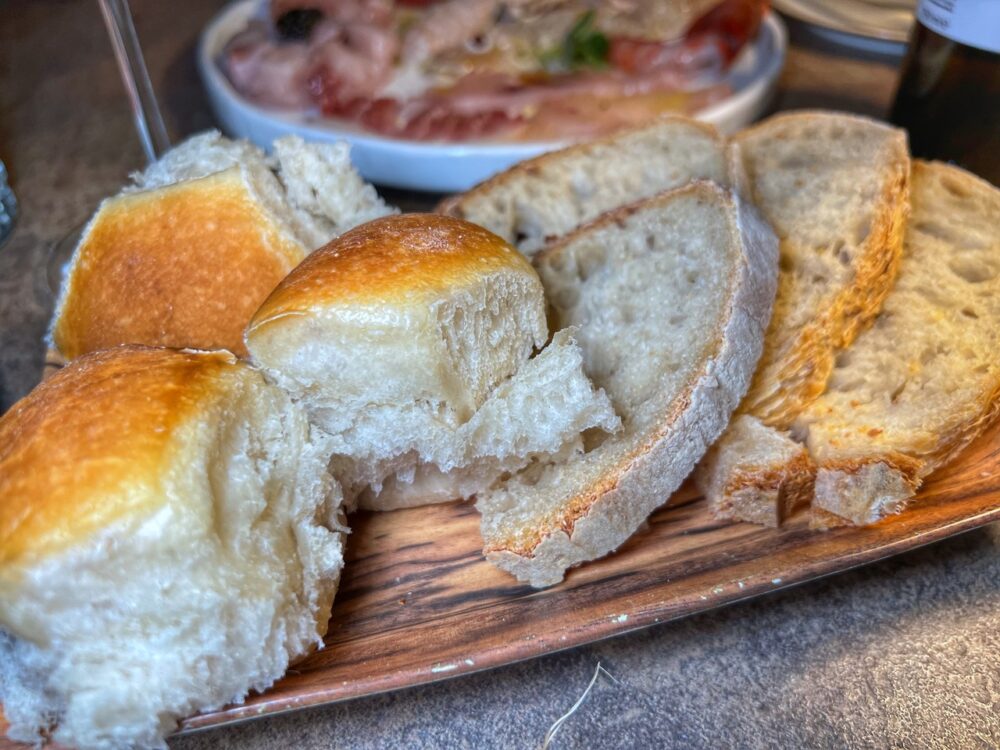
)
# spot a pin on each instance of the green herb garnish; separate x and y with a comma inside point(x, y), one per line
point(585, 46)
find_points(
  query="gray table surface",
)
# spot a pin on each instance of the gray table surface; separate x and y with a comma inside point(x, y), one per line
point(901, 654)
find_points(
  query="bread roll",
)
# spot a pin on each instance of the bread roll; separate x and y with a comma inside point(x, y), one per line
point(169, 540)
point(185, 255)
point(409, 339)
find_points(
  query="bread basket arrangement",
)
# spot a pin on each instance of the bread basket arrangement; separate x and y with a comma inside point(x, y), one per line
point(262, 355)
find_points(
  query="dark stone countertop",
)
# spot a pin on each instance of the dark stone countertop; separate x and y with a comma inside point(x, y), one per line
point(901, 654)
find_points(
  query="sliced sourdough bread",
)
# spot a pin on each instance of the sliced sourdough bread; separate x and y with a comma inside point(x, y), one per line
point(670, 297)
point(924, 380)
point(543, 198)
point(834, 187)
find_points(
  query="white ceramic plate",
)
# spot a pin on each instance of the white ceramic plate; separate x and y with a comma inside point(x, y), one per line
point(447, 167)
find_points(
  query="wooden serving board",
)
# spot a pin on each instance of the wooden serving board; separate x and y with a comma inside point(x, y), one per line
point(418, 602)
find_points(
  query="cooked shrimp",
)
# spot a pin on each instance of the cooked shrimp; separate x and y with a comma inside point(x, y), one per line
point(447, 25)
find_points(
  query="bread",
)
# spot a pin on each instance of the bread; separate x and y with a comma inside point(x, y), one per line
point(756, 473)
point(834, 187)
point(408, 339)
point(318, 192)
point(924, 381)
point(671, 297)
point(169, 540)
point(185, 255)
point(546, 197)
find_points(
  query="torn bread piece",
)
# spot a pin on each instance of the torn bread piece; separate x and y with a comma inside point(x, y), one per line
point(671, 297)
point(835, 189)
point(543, 198)
point(409, 340)
point(924, 380)
point(186, 254)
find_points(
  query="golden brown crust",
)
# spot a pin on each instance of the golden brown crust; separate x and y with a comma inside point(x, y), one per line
point(180, 266)
point(899, 461)
point(794, 373)
point(806, 364)
point(395, 258)
point(909, 468)
point(767, 495)
point(103, 423)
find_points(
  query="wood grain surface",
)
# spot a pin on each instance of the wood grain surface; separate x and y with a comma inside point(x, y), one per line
point(418, 602)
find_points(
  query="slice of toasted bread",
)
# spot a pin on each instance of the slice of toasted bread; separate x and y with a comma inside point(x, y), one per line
point(546, 197)
point(671, 297)
point(924, 380)
point(835, 189)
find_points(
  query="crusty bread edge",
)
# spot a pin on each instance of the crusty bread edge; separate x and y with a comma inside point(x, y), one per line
point(645, 479)
point(454, 205)
point(750, 496)
point(805, 369)
point(868, 488)
point(888, 481)
point(66, 282)
point(765, 495)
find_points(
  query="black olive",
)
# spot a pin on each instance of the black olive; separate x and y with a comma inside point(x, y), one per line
point(297, 24)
